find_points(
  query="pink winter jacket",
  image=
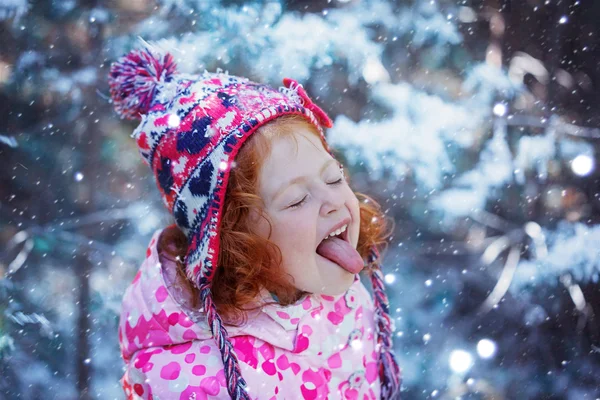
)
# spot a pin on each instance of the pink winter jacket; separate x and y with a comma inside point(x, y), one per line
point(322, 347)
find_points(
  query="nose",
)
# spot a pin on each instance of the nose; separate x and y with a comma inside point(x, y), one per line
point(332, 201)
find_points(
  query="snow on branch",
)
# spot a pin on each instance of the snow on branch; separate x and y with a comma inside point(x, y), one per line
point(415, 139)
point(13, 9)
point(574, 248)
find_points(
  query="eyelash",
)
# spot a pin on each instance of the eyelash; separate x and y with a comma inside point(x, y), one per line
point(339, 181)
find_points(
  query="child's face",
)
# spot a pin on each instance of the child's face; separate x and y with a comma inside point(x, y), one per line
point(297, 231)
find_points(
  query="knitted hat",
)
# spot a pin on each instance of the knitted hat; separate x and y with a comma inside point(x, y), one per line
point(192, 127)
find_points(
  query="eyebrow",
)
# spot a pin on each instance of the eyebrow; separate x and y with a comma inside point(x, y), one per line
point(301, 178)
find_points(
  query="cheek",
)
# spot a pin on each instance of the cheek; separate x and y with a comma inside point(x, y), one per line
point(295, 233)
point(353, 203)
point(354, 206)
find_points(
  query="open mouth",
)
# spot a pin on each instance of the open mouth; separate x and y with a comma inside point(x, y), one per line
point(343, 235)
point(338, 250)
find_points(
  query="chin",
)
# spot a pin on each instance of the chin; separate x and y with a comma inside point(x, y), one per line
point(340, 288)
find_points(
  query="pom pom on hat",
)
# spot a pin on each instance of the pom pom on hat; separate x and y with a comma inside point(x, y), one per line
point(133, 79)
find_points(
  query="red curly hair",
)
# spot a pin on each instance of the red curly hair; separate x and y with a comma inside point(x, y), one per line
point(247, 262)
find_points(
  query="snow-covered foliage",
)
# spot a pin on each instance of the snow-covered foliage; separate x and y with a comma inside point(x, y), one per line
point(13, 9)
point(573, 248)
point(416, 139)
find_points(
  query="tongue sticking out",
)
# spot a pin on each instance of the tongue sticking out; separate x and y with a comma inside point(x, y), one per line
point(342, 253)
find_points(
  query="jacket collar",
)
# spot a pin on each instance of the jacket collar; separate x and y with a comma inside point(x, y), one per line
point(290, 316)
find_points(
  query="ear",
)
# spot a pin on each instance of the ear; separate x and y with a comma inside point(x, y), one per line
point(260, 224)
point(254, 216)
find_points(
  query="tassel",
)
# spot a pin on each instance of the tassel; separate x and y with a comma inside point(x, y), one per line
point(236, 385)
point(389, 371)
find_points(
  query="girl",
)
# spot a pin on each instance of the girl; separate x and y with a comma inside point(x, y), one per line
point(254, 292)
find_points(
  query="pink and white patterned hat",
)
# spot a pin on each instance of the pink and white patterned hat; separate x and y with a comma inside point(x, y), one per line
point(191, 128)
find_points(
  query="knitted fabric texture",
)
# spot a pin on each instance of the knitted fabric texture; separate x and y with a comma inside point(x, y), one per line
point(191, 128)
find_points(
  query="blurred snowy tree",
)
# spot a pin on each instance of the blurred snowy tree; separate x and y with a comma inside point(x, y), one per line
point(464, 118)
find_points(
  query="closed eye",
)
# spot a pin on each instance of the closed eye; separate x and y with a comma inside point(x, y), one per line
point(298, 204)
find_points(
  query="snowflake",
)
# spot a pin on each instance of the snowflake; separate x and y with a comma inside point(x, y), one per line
point(292, 94)
point(167, 91)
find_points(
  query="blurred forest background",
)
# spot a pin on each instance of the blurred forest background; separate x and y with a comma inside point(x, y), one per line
point(474, 123)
